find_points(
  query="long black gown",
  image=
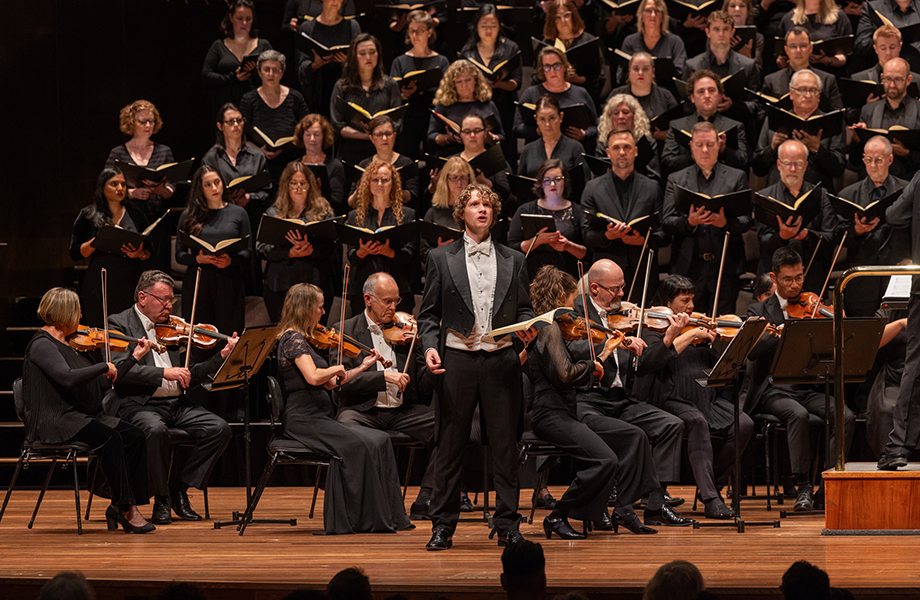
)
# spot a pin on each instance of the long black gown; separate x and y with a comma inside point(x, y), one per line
point(362, 490)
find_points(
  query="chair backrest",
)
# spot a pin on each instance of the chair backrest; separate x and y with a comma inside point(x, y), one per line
point(275, 399)
point(18, 401)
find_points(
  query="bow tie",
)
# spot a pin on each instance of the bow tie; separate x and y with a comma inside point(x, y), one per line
point(484, 248)
point(374, 328)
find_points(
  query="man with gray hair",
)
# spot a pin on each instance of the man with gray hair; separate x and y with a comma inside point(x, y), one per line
point(389, 398)
point(153, 398)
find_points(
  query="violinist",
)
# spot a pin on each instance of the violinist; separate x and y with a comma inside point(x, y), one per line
point(387, 398)
point(790, 403)
point(704, 411)
point(612, 397)
point(153, 397)
point(63, 391)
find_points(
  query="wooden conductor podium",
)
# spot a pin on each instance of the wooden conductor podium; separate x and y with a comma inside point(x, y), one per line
point(865, 501)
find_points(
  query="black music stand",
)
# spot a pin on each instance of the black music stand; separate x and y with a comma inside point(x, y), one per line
point(727, 372)
point(246, 359)
point(805, 355)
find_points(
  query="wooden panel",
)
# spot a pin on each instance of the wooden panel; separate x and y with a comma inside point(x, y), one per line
point(864, 498)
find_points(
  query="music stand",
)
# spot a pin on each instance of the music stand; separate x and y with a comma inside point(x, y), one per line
point(727, 372)
point(805, 355)
point(246, 359)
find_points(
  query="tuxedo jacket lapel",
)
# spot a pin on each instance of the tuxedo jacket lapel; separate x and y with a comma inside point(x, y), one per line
point(456, 266)
point(503, 275)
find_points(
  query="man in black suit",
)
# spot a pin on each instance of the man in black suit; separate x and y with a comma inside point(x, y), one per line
point(798, 53)
point(152, 397)
point(790, 403)
point(700, 235)
point(473, 286)
point(872, 242)
point(624, 194)
point(707, 95)
point(388, 398)
point(792, 165)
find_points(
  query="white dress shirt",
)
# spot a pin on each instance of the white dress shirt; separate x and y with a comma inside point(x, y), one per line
point(167, 389)
point(387, 398)
point(783, 303)
point(616, 360)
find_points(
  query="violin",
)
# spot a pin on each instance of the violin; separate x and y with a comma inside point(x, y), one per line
point(809, 306)
point(176, 331)
point(85, 339)
point(324, 338)
point(656, 319)
point(401, 330)
point(575, 328)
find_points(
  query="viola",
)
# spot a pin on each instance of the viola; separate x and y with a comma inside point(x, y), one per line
point(176, 331)
point(808, 306)
point(401, 330)
point(324, 338)
point(85, 339)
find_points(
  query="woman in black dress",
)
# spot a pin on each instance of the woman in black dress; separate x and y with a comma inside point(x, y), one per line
point(141, 120)
point(704, 411)
point(473, 134)
point(63, 391)
point(447, 183)
point(379, 204)
point(315, 135)
point(420, 34)
point(108, 209)
point(564, 247)
point(298, 11)
point(463, 90)
point(564, 25)
point(383, 136)
point(275, 109)
point(223, 70)
point(743, 13)
point(642, 86)
point(623, 112)
point(362, 490)
point(654, 36)
point(318, 75)
point(303, 259)
point(489, 47)
point(363, 83)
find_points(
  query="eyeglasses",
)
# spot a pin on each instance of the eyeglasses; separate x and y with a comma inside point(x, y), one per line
point(144, 121)
point(382, 135)
point(566, 16)
point(164, 301)
point(798, 164)
point(552, 180)
point(553, 67)
point(298, 186)
point(458, 178)
point(387, 301)
point(790, 280)
point(615, 290)
point(652, 11)
point(476, 131)
point(271, 70)
point(380, 180)
point(806, 91)
point(896, 80)
point(237, 121)
point(874, 161)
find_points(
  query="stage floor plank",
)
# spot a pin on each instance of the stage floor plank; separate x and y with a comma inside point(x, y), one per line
point(270, 559)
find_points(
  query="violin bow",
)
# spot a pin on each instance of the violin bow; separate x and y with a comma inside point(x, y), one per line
point(584, 302)
point(191, 328)
point(638, 269)
point(342, 321)
point(648, 273)
point(813, 255)
point(105, 315)
point(715, 301)
point(829, 271)
point(409, 357)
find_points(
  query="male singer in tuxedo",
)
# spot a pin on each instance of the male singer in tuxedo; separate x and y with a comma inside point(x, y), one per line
point(388, 398)
point(153, 398)
point(473, 286)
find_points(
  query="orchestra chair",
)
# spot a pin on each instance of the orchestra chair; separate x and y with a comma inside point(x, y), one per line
point(531, 445)
point(769, 426)
point(282, 451)
point(67, 454)
point(398, 439)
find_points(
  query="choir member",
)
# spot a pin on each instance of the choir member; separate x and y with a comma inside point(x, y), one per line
point(565, 26)
point(623, 113)
point(653, 36)
point(382, 133)
point(463, 90)
point(887, 44)
point(473, 134)
point(883, 396)
point(742, 13)
point(447, 183)
point(900, 14)
point(108, 209)
point(315, 135)
point(798, 53)
point(823, 20)
point(642, 85)
point(63, 391)
point(318, 75)
point(298, 11)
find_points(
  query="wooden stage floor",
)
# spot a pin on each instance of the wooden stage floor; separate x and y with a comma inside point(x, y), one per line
point(273, 559)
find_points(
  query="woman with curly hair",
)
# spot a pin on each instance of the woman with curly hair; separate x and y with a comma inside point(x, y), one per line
point(553, 70)
point(379, 204)
point(623, 112)
point(654, 37)
point(565, 26)
point(463, 90)
point(315, 135)
point(301, 259)
point(364, 83)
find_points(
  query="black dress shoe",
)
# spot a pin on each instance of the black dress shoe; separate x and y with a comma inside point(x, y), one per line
point(612, 500)
point(672, 502)
point(805, 500)
point(440, 540)
point(114, 518)
point(891, 462)
point(633, 524)
point(716, 509)
point(465, 504)
point(182, 508)
point(562, 528)
point(419, 511)
point(605, 524)
point(545, 501)
point(513, 536)
point(666, 516)
point(162, 514)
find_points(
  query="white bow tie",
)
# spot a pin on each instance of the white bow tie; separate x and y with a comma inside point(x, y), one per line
point(484, 248)
point(374, 328)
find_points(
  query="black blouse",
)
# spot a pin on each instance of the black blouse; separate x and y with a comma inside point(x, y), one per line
point(249, 162)
point(274, 122)
point(282, 271)
point(655, 103)
point(373, 101)
point(321, 81)
point(455, 112)
point(574, 95)
point(570, 222)
point(226, 223)
point(219, 74)
point(409, 185)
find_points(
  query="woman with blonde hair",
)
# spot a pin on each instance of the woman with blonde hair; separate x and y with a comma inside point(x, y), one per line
point(447, 183)
point(623, 112)
point(379, 204)
point(823, 20)
point(301, 259)
point(362, 490)
point(653, 36)
point(463, 90)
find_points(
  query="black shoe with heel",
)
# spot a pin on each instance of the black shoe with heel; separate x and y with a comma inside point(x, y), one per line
point(562, 528)
point(113, 518)
point(605, 524)
point(633, 524)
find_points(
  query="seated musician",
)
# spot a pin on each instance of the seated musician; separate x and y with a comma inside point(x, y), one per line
point(790, 403)
point(872, 242)
point(703, 410)
point(612, 398)
point(896, 109)
point(798, 53)
point(152, 396)
point(387, 398)
point(792, 164)
point(706, 94)
point(826, 154)
point(625, 195)
point(699, 236)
